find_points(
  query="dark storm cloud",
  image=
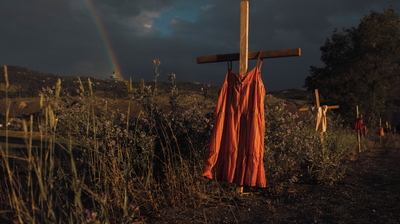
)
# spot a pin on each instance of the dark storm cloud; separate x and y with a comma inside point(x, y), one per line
point(60, 37)
point(278, 25)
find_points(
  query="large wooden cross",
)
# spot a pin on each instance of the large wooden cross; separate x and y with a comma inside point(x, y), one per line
point(244, 55)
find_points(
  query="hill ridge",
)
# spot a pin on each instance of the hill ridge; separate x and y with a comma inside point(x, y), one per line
point(35, 80)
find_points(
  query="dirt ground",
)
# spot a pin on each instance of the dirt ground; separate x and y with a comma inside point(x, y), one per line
point(370, 193)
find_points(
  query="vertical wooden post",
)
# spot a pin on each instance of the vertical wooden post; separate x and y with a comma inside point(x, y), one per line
point(244, 48)
point(380, 125)
point(358, 136)
point(317, 98)
point(244, 36)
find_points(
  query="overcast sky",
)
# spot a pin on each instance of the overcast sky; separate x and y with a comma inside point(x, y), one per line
point(90, 38)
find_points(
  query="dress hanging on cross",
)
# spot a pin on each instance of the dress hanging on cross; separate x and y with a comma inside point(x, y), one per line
point(236, 149)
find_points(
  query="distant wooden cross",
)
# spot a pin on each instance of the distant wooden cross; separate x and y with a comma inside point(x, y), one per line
point(380, 126)
point(358, 135)
point(244, 55)
point(318, 105)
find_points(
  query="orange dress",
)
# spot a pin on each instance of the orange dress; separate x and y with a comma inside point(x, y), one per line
point(236, 149)
point(380, 131)
point(363, 130)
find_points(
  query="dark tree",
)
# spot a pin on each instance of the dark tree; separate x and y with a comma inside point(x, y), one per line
point(361, 67)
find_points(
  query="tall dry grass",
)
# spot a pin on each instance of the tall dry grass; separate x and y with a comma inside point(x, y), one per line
point(94, 167)
point(100, 165)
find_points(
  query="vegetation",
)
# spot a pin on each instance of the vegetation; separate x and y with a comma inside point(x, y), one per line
point(99, 165)
point(101, 88)
point(361, 68)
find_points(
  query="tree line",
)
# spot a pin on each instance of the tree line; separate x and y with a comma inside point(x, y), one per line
point(361, 67)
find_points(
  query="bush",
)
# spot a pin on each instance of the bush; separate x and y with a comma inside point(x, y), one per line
point(293, 149)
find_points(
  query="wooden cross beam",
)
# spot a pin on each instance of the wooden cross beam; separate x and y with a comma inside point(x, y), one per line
point(243, 56)
point(250, 56)
point(318, 105)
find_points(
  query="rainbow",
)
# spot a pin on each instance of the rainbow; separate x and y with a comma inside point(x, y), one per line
point(112, 59)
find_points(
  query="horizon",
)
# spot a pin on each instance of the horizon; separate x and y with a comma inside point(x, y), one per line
point(148, 81)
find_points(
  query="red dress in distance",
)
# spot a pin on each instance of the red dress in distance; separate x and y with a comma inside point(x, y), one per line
point(363, 130)
point(357, 124)
point(380, 131)
point(236, 149)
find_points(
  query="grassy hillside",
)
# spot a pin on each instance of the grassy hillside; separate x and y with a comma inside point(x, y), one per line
point(24, 96)
point(101, 162)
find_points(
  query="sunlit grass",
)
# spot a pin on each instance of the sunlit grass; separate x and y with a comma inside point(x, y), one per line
point(96, 164)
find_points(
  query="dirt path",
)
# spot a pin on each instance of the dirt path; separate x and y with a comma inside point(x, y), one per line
point(370, 193)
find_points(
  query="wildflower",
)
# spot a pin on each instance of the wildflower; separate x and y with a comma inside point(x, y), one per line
point(156, 62)
point(89, 215)
point(107, 123)
point(114, 76)
point(171, 76)
point(103, 197)
point(134, 207)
